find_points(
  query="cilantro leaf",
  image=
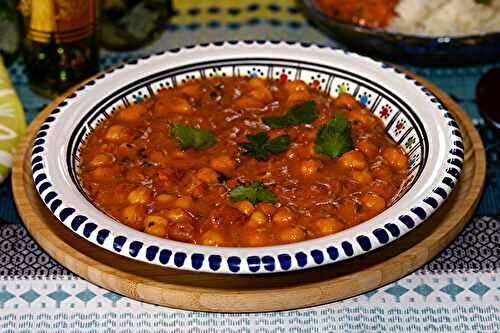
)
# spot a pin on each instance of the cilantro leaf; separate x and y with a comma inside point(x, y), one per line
point(304, 113)
point(276, 122)
point(278, 144)
point(259, 145)
point(484, 2)
point(334, 138)
point(189, 137)
point(254, 193)
point(255, 146)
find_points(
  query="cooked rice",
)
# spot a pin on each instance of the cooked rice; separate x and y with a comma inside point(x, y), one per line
point(446, 17)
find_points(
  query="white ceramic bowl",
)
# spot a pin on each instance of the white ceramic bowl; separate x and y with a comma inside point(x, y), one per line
point(413, 116)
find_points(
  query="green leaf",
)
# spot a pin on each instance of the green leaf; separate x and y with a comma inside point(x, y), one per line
point(254, 193)
point(259, 145)
point(304, 113)
point(278, 144)
point(484, 2)
point(276, 122)
point(189, 137)
point(334, 138)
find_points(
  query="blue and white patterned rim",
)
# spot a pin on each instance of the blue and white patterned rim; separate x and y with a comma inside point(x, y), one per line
point(414, 117)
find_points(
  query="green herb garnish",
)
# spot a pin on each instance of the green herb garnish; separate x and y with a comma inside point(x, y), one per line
point(189, 137)
point(334, 138)
point(259, 145)
point(304, 113)
point(254, 193)
point(484, 2)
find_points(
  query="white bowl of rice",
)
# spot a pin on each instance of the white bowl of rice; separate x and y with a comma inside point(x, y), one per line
point(446, 17)
point(417, 32)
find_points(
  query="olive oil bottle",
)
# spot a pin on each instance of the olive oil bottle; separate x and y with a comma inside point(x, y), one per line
point(60, 43)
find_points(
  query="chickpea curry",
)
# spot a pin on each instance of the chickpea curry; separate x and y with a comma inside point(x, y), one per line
point(370, 13)
point(238, 161)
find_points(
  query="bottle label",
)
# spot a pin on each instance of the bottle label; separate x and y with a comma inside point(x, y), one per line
point(64, 20)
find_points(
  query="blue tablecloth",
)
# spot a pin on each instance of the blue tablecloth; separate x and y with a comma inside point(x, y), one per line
point(462, 281)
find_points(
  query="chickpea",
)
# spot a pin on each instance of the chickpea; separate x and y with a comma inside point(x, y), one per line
point(134, 175)
point(198, 191)
point(126, 150)
point(179, 153)
point(328, 226)
point(368, 148)
point(183, 202)
point(131, 113)
point(383, 188)
point(298, 96)
point(373, 202)
point(193, 90)
point(156, 225)
point(105, 148)
point(257, 219)
point(224, 164)
point(103, 174)
point(310, 168)
point(207, 175)
point(177, 215)
point(283, 215)
point(363, 177)
point(362, 117)
point(262, 94)
point(291, 235)
point(212, 238)
point(382, 172)
point(156, 156)
point(116, 133)
point(181, 231)
point(101, 160)
point(295, 86)
point(245, 206)
point(253, 237)
point(395, 158)
point(247, 102)
point(266, 207)
point(140, 195)
point(348, 211)
point(133, 216)
point(353, 160)
point(164, 198)
point(346, 101)
point(180, 105)
point(256, 82)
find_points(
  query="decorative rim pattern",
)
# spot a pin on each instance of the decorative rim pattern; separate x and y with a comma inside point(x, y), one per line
point(431, 190)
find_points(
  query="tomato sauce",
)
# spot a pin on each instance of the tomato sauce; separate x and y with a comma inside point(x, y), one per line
point(370, 13)
point(135, 170)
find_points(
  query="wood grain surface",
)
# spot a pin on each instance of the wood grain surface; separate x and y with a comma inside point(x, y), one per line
point(253, 293)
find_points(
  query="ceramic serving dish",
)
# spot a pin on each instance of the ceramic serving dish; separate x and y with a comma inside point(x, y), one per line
point(413, 117)
point(406, 48)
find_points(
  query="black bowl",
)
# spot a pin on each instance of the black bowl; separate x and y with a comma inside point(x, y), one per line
point(405, 48)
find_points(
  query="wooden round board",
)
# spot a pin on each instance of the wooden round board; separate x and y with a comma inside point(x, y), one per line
point(255, 293)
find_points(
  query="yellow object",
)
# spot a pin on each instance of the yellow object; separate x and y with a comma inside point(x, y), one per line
point(12, 121)
point(42, 20)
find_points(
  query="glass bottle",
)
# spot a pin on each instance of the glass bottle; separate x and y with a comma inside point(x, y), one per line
point(60, 43)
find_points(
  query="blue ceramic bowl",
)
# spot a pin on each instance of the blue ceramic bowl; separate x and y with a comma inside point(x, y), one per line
point(404, 48)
